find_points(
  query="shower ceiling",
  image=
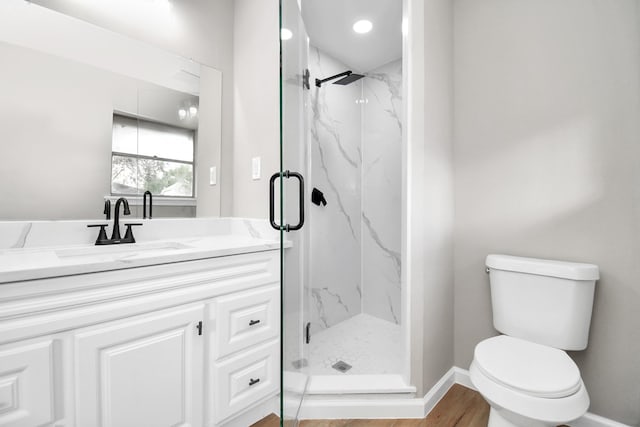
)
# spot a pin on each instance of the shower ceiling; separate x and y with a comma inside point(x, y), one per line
point(330, 27)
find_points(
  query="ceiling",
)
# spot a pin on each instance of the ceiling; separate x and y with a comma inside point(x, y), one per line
point(329, 25)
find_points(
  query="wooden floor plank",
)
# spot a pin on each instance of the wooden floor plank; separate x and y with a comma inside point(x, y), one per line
point(269, 421)
point(460, 407)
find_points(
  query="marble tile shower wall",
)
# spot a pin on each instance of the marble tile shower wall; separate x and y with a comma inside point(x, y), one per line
point(355, 137)
point(381, 191)
point(335, 127)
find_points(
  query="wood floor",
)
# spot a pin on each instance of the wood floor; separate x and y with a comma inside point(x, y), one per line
point(460, 407)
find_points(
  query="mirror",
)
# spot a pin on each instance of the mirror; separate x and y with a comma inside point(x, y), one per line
point(87, 115)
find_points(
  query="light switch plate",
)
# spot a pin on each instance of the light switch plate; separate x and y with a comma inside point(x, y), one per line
point(255, 168)
point(212, 175)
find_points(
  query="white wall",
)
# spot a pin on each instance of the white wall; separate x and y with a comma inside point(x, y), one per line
point(198, 29)
point(547, 99)
point(256, 104)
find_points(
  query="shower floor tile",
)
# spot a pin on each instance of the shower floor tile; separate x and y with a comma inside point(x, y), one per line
point(370, 345)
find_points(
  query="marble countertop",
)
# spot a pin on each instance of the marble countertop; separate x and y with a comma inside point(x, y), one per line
point(45, 262)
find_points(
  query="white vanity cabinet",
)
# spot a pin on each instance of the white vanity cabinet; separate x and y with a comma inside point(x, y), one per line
point(187, 344)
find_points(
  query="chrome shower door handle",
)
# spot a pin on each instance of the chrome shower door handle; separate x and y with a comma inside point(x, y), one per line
point(286, 227)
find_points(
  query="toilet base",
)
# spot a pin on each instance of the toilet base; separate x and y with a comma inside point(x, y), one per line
point(504, 418)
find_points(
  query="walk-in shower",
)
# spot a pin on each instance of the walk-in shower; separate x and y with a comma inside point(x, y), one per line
point(353, 286)
point(342, 275)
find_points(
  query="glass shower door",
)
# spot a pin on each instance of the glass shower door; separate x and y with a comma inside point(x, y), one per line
point(293, 168)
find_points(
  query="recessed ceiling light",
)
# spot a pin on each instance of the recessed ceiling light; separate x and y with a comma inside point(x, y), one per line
point(363, 26)
point(285, 34)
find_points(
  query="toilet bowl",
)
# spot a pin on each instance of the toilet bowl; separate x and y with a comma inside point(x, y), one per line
point(527, 384)
point(542, 307)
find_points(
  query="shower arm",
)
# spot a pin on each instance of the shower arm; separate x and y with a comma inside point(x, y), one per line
point(346, 73)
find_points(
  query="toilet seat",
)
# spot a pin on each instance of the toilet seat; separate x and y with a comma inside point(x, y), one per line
point(527, 367)
point(503, 384)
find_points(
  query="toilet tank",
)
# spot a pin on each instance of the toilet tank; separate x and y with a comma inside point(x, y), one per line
point(543, 301)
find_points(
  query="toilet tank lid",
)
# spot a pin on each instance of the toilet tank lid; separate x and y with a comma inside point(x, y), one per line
point(544, 267)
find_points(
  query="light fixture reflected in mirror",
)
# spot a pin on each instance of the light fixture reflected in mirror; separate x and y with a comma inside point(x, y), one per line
point(188, 111)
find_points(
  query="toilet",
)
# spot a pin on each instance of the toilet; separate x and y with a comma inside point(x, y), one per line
point(542, 308)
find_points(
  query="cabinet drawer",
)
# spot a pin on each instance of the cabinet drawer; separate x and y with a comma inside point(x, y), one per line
point(245, 379)
point(245, 319)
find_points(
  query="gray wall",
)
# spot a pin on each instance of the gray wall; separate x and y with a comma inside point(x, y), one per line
point(256, 104)
point(546, 165)
point(40, 120)
point(437, 190)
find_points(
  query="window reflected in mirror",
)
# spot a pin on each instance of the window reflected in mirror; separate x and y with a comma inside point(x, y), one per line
point(151, 156)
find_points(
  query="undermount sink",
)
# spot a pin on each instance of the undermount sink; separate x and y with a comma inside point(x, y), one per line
point(111, 250)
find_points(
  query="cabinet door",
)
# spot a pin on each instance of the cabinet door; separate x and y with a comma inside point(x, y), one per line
point(27, 389)
point(141, 371)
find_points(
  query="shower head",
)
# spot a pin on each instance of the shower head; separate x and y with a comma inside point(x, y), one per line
point(347, 78)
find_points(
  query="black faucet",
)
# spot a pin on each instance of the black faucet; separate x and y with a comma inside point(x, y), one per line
point(144, 204)
point(115, 236)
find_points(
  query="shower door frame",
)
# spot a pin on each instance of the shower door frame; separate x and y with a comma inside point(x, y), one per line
point(414, 277)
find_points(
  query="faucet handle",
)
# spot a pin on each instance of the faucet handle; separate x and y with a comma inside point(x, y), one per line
point(102, 234)
point(107, 209)
point(128, 235)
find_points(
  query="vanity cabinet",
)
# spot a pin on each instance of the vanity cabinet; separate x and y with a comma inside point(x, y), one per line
point(187, 344)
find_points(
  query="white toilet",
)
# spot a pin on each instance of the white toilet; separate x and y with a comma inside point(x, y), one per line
point(542, 307)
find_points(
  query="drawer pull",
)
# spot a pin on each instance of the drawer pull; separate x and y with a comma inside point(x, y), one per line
point(253, 322)
point(252, 381)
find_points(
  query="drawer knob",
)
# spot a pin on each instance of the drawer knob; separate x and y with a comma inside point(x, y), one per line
point(253, 322)
point(252, 381)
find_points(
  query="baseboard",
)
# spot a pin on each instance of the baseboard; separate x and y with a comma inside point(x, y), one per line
point(592, 420)
point(406, 406)
point(437, 392)
point(268, 406)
